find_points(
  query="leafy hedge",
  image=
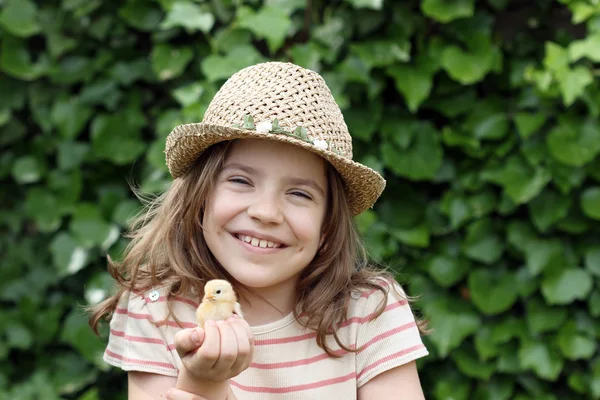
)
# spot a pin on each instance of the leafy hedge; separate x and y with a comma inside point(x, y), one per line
point(483, 118)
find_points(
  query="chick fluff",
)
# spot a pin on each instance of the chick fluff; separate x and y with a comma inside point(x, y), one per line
point(219, 302)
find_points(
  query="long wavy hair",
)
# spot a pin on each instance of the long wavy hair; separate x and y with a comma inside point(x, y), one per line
point(167, 247)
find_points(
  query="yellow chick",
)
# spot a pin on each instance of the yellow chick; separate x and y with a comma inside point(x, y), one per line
point(219, 302)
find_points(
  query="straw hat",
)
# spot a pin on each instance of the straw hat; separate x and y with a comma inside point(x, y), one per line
point(283, 102)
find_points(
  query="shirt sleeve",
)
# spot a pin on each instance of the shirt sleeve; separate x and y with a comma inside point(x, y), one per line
point(136, 343)
point(388, 341)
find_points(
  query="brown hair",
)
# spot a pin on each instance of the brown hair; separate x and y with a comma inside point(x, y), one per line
point(167, 247)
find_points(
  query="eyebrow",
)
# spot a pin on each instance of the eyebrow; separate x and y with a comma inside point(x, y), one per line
point(294, 181)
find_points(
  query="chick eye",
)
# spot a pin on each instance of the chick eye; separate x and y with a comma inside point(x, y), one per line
point(218, 291)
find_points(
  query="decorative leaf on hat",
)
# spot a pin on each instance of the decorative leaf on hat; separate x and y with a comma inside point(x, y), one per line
point(273, 127)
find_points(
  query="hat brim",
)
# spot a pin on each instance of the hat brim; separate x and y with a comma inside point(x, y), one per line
point(186, 142)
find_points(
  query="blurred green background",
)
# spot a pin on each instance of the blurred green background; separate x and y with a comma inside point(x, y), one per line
point(482, 115)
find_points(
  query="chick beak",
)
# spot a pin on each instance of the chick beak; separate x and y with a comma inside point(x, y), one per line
point(209, 296)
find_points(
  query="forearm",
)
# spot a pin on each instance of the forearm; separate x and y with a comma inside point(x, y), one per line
point(207, 389)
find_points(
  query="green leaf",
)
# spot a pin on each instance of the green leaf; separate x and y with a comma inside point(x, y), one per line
point(70, 116)
point(88, 227)
point(27, 169)
point(590, 202)
point(115, 138)
point(169, 62)
point(572, 83)
point(529, 123)
point(540, 254)
point(445, 270)
point(543, 318)
point(492, 291)
point(574, 345)
point(470, 365)
point(269, 23)
point(592, 260)
point(452, 322)
point(78, 334)
point(567, 285)
point(189, 16)
point(484, 343)
point(594, 303)
point(19, 18)
point(556, 58)
point(548, 208)
point(417, 236)
point(507, 329)
point(68, 257)
point(482, 243)
point(413, 82)
point(521, 183)
point(71, 154)
point(381, 53)
point(189, 93)
point(141, 14)
point(422, 159)
point(373, 4)
point(216, 67)
point(537, 356)
point(126, 210)
point(588, 47)
point(15, 60)
point(468, 67)
point(42, 206)
point(447, 10)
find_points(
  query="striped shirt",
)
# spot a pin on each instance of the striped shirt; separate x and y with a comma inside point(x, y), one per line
point(288, 364)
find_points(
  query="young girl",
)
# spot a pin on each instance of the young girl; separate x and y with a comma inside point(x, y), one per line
point(263, 196)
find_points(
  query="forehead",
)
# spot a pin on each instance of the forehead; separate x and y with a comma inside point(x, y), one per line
point(278, 159)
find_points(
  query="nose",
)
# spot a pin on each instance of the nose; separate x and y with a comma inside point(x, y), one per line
point(266, 209)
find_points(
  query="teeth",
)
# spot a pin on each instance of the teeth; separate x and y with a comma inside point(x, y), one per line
point(258, 242)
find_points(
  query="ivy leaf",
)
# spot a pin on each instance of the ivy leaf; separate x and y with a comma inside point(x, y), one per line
point(141, 14)
point(446, 271)
point(372, 4)
point(574, 345)
point(592, 260)
point(216, 67)
point(413, 82)
point(19, 18)
point(67, 256)
point(470, 365)
point(116, 138)
point(572, 83)
point(268, 23)
point(492, 291)
point(169, 62)
point(543, 318)
point(588, 47)
point(27, 169)
point(42, 206)
point(70, 116)
point(482, 243)
point(382, 53)
point(88, 227)
point(590, 202)
point(15, 60)
point(567, 285)
point(448, 10)
point(529, 123)
point(468, 67)
point(189, 16)
point(537, 356)
point(548, 208)
point(421, 160)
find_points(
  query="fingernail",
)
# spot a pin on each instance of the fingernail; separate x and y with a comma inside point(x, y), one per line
point(195, 337)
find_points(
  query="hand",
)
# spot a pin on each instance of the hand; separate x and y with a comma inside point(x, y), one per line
point(219, 352)
point(176, 394)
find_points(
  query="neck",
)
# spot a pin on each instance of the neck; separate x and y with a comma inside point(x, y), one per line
point(265, 305)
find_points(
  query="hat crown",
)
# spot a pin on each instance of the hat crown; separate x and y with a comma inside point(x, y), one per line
point(293, 95)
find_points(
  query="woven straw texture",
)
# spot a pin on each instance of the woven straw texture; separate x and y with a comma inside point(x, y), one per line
point(295, 97)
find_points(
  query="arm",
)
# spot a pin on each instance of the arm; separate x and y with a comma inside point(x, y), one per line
point(403, 379)
point(147, 386)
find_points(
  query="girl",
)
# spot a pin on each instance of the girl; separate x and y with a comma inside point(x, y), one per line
point(263, 196)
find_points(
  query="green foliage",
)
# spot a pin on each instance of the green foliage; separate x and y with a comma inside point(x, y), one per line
point(483, 117)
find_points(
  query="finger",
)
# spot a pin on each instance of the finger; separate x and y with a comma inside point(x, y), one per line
point(245, 350)
point(176, 394)
point(229, 348)
point(211, 347)
point(187, 340)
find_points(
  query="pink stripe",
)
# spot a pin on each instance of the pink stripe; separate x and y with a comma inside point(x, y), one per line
point(297, 388)
point(388, 334)
point(140, 362)
point(368, 318)
point(390, 357)
point(289, 364)
point(141, 339)
point(291, 339)
point(149, 318)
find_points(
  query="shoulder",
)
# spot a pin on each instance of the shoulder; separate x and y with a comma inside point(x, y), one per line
point(369, 302)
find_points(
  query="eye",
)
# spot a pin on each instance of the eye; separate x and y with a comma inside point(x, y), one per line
point(218, 291)
point(241, 181)
point(301, 194)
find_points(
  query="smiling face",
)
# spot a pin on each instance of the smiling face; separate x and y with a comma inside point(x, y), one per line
point(263, 220)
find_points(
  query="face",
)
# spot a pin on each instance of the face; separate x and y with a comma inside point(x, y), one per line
point(263, 220)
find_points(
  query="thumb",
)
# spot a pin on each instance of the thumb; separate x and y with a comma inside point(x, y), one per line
point(187, 340)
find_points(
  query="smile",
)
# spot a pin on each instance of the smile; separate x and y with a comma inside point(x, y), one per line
point(256, 242)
